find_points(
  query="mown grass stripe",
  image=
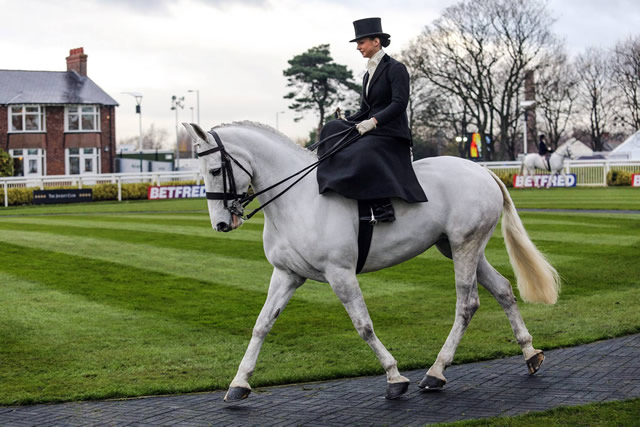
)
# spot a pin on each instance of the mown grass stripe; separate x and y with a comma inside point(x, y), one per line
point(195, 230)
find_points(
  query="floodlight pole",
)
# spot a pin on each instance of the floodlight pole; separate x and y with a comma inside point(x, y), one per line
point(197, 102)
point(138, 97)
point(175, 104)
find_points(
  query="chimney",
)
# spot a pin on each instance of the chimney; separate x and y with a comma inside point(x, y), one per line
point(77, 61)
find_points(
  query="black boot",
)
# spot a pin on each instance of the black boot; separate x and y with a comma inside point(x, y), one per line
point(380, 210)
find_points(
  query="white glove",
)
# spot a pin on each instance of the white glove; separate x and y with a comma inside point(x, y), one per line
point(366, 126)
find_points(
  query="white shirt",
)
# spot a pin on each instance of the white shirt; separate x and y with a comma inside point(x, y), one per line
point(372, 65)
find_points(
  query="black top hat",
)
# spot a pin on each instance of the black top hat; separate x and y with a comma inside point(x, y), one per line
point(368, 27)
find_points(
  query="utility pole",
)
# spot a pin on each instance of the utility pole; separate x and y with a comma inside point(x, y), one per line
point(175, 104)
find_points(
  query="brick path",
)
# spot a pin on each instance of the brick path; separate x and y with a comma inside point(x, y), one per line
point(602, 371)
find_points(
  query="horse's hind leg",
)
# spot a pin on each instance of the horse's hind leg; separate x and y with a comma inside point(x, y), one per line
point(501, 290)
point(345, 285)
point(465, 259)
point(283, 285)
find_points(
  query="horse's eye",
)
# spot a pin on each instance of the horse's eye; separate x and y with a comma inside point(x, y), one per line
point(215, 171)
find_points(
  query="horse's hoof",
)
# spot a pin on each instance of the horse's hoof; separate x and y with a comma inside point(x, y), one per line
point(431, 383)
point(235, 394)
point(534, 362)
point(395, 390)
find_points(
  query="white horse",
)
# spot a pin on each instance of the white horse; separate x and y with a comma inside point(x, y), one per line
point(313, 236)
point(535, 161)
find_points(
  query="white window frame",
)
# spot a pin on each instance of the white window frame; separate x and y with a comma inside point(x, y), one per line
point(82, 156)
point(23, 114)
point(95, 113)
point(40, 157)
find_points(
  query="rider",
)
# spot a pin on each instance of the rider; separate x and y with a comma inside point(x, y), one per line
point(377, 166)
point(542, 147)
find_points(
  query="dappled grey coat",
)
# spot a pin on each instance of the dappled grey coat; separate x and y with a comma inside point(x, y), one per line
point(377, 165)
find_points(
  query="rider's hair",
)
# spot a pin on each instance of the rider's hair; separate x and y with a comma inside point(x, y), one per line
point(384, 40)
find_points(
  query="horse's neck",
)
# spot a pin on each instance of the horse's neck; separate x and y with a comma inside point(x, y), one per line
point(273, 159)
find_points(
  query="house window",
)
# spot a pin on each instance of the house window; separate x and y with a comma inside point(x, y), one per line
point(26, 118)
point(82, 118)
point(82, 161)
point(28, 162)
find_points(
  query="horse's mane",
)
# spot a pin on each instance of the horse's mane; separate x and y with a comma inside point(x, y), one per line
point(266, 128)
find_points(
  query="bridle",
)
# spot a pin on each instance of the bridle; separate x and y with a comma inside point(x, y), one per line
point(232, 201)
point(235, 203)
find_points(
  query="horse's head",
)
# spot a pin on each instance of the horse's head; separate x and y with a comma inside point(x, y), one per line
point(564, 150)
point(227, 176)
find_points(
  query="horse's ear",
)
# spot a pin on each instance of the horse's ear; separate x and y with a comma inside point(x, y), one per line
point(192, 130)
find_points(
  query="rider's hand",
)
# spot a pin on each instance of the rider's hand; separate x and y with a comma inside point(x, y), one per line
point(366, 125)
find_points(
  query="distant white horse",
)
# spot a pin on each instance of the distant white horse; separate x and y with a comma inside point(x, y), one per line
point(535, 161)
point(313, 236)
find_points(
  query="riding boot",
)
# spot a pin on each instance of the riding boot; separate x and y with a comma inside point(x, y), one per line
point(380, 210)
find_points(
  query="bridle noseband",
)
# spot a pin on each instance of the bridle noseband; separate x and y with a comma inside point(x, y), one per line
point(232, 201)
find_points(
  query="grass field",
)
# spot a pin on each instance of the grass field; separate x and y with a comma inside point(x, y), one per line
point(109, 300)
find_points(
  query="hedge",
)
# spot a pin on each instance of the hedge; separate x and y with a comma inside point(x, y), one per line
point(618, 178)
point(507, 178)
point(133, 191)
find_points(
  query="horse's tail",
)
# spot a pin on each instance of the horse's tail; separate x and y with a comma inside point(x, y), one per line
point(537, 280)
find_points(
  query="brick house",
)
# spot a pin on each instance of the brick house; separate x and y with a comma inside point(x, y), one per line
point(57, 122)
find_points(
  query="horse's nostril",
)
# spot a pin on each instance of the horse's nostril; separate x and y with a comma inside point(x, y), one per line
point(221, 226)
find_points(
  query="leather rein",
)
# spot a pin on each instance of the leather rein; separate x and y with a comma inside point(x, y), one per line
point(234, 202)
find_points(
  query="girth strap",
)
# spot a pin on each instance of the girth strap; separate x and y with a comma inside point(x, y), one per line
point(365, 233)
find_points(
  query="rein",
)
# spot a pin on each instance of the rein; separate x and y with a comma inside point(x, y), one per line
point(234, 202)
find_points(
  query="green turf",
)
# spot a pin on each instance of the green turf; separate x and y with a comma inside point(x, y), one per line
point(109, 300)
point(593, 415)
point(627, 198)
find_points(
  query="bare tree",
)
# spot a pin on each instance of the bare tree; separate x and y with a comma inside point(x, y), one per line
point(596, 93)
point(626, 76)
point(556, 93)
point(478, 53)
point(153, 138)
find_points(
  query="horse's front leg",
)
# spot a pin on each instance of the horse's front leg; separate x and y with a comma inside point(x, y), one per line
point(283, 285)
point(346, 287)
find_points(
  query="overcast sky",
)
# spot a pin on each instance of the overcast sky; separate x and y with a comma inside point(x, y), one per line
point(233, 51)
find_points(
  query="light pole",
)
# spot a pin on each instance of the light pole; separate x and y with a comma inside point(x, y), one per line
point(175, 104)
point(526, 105)
point(277, 114)
point(138, 97)
point(197, 102)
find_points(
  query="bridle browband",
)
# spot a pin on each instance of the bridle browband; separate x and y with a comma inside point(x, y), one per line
point(234, 202)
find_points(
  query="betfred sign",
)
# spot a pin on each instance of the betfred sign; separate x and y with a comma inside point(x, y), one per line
point(176, 192)
point(635, 180)
point(534, 181)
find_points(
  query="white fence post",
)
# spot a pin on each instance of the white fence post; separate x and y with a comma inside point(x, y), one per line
point(119, 189)
point(6, 195)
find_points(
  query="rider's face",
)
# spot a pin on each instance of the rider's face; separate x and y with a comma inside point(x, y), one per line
point(368, 46)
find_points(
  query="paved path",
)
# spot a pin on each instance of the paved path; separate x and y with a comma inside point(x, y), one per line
point(606, 370)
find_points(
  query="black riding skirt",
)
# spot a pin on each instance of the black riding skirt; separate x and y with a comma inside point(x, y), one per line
point(371, 167)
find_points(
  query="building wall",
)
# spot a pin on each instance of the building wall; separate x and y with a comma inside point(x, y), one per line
point(55, 140)
point(4, 137)
point(108, 143)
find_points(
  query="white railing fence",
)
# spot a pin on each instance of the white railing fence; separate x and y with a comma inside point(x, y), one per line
point(588, 173)
point(80, 181)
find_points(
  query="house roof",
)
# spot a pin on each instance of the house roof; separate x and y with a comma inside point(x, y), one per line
point(50, 87)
